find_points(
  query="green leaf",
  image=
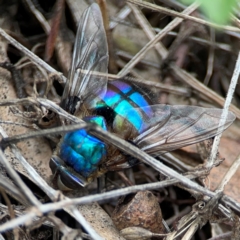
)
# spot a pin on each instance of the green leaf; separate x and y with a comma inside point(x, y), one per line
point(188, 2)
point(218, 11)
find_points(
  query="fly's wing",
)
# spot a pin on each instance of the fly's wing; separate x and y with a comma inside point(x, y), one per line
point(91, 55)
point(173, 127)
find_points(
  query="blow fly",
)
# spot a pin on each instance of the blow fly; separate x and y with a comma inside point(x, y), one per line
point(121, 108)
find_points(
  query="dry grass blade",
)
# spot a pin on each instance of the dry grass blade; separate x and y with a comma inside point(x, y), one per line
point(228, 100)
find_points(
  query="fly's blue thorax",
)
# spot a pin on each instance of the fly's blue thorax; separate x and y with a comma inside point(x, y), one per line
point(82, 151)
point(124, 104)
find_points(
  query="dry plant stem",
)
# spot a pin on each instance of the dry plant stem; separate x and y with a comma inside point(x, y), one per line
point(8, 203)
point(31, 171)
point(54, 32)
point(223, 46)
point(210, 58)
point(29, 54)
point(178, 164)
point(45, 133)
point(173, 4)
point(139, 233)
point(67, 231)
point(163, 87)
point(10, 211)
point(156, 39)
point(236, 20)
point(182, 213)
point(13, 191)
point(112, 67)
point(129, 56)
point(202, 89)
point(21, 212)
point(222, 236)
point(181, 15)
point(188, 221)
point(189, 234)
point(223, 118)
point(134, 73)
point(38, 16)
point(142, 21)
point(201, 213)
point(58, 222)
point(124, 12)
point(231, 171)
point(51, 32)
point(21, 185)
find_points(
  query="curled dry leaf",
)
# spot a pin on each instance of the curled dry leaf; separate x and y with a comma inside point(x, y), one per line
point(142, 210)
